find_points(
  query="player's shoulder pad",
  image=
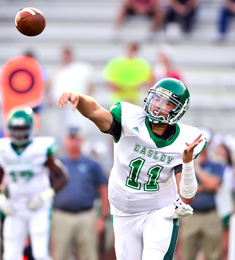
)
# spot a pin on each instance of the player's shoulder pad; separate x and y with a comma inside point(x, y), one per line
point(46, 142)
point(190, 133)
point(119, 109)
point(116, 111)
point(4, 142)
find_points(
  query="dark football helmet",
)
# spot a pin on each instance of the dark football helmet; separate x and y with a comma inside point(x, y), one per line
point(167, 101)
point(20, 125)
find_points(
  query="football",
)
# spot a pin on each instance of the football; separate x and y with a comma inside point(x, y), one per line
point(30, 21)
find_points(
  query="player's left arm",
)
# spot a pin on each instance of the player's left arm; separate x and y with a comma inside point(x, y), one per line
point(61, 178)
point(5, 204)
point(58, 171)
point(1, 175)
point(178, 179)
point(186, 180)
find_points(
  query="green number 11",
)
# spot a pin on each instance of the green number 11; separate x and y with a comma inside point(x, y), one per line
point(153, 175)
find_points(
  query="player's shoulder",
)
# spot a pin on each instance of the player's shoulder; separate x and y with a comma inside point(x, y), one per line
point(188, 129)
point(122, 110)
point(126, 107)
point(189, 134)
point(4, 142)
point(132, 112)
point(45, 144)
point(44, 141)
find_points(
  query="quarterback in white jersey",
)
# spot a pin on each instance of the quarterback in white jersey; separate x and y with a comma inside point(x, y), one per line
point(26, 163)
point(153, 178)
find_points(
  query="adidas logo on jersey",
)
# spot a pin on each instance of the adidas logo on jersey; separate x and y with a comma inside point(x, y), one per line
point(136, 129)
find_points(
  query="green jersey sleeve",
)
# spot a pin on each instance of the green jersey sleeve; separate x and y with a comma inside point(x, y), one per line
point(116, 127)
point(52, 149)
point(116, 111)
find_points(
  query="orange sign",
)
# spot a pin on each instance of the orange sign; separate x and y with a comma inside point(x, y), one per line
point(22, 83)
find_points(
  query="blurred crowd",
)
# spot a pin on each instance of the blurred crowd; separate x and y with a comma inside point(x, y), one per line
point(84, 230)
point(177, 18)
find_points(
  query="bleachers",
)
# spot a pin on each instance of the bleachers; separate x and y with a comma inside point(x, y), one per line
point(208, 67)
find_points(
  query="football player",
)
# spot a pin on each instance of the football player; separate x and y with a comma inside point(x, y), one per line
point(153, 165)
point(26, 162)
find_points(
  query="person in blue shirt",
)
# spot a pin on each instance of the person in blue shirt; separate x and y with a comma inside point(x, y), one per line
point(226, 15)
point(75, 226)
point(204, 228)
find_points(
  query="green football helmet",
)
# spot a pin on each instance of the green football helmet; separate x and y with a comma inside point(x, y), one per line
point(167, 101)
point(20, 125)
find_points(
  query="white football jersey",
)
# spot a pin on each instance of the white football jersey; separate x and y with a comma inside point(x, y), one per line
point(142, 178)
point(26, 172)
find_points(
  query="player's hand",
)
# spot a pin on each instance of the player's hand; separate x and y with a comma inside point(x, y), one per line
point(5, 206)
point(181, 209)
point(188, 151)
point(68, 96)
point(37, 201)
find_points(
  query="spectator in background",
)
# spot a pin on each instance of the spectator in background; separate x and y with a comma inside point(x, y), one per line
point(227, 12)
point(164, 67)
point(125, 76)
point(182, 12)
point(71, 75)
point(148, 8)
point(223, 155)
point(204, 228)
point(74, 224)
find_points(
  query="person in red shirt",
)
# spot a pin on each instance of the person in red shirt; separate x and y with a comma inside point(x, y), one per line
point(148, 8)
point(164, 67)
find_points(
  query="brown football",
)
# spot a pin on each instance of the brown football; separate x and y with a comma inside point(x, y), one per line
point(30, 21)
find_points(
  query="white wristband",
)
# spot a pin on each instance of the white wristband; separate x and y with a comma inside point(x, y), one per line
point(188, 182)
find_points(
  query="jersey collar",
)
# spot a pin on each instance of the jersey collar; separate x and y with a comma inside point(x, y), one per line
point(19, 151)
point(159, 142)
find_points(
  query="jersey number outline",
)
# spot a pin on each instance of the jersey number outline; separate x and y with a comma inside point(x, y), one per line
point(23, 174)
point(153, 173)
